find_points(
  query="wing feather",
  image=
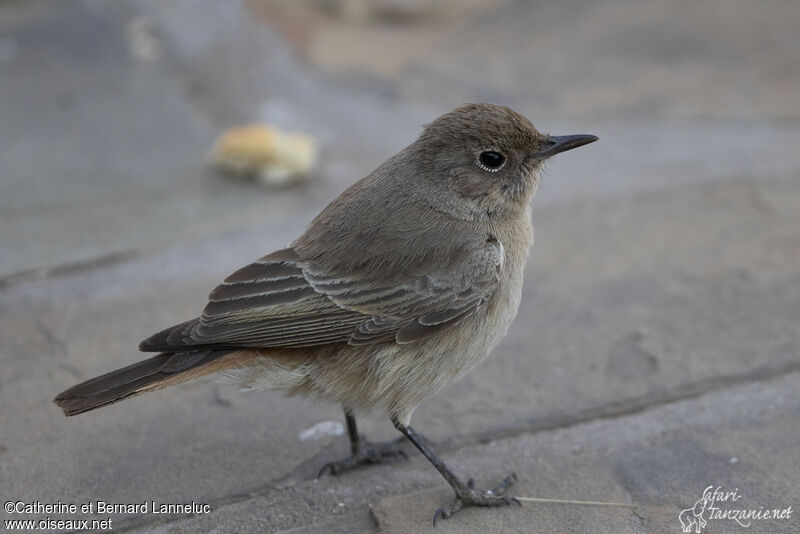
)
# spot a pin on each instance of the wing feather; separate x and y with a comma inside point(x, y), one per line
point(283, 301)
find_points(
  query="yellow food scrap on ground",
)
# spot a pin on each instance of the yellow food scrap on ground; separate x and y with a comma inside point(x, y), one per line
point(265, 153)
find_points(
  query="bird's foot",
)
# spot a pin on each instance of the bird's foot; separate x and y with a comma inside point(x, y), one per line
point(368, 454)
point(466, 495)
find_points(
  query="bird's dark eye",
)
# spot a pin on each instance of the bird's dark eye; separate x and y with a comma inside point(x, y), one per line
point(491, 160)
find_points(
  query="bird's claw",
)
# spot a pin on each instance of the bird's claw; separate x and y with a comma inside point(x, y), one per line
point(367, 455)
point(467, 496)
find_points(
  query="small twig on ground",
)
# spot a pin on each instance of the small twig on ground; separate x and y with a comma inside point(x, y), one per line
point(563, 501)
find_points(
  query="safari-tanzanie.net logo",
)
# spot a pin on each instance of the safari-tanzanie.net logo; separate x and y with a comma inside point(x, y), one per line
point(717, 504)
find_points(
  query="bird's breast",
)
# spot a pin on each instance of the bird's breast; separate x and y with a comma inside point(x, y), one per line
point(515, 238)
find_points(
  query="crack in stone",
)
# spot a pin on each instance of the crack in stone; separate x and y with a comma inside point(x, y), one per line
point(628, 406)
point(54, 271)
point(642, 519)
point(60, 346)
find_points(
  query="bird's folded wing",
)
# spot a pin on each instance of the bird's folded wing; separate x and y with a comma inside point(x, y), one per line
point(282, 301)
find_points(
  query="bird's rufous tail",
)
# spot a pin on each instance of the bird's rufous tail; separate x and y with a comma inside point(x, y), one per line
point(158, 372)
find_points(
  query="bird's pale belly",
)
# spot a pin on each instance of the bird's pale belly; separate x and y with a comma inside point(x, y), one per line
point(406, 374)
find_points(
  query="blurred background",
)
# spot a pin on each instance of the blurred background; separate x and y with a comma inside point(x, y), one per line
point(666, 270)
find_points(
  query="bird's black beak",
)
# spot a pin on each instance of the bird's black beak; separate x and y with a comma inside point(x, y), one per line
point(562, 143)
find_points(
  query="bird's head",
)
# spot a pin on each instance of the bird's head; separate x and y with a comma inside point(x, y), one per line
point(488, 155)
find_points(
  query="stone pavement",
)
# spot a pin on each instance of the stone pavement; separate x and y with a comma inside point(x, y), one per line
point(656, 351)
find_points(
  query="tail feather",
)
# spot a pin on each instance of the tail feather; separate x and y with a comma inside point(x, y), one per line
point(147, 375)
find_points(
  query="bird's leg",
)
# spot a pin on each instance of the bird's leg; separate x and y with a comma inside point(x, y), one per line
point(466, 494)
point(362, 451)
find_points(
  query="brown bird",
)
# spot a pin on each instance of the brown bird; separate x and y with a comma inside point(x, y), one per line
point(401, 285)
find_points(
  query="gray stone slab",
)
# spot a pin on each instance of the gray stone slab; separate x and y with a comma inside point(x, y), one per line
point(740, 439)
point(411, 513)
point(718, 58)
